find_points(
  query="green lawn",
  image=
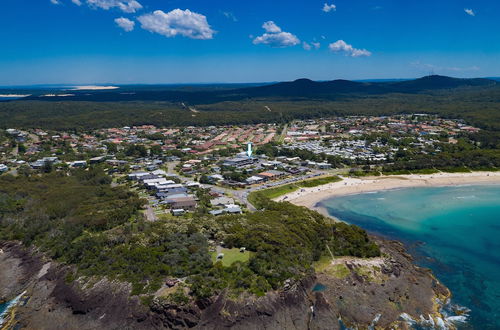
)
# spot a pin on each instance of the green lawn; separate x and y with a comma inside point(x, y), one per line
point(324, 265)
point(280, 190)
point(231, 256)
point(291, 187)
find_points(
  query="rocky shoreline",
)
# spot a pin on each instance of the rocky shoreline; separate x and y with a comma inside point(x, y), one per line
point(382, 294)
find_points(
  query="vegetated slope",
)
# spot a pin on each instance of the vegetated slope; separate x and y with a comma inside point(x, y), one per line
point(296, 89)
point(80, 220)
point(479, 105)
point(105, 252)
point(309, 88)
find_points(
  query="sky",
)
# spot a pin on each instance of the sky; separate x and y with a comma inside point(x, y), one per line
point(208, 41)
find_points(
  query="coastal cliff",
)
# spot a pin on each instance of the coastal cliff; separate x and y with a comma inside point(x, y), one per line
point(383, 292)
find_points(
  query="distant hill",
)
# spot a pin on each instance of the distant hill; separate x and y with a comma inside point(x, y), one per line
point(306, 87)
point(439, 82)
point(301, 88)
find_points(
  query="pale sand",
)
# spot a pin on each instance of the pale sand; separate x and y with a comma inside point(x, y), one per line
point(93, 88)
point(310, 197)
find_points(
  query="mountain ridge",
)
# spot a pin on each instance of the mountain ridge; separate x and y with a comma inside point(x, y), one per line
point(297, 89)
point(304, 86)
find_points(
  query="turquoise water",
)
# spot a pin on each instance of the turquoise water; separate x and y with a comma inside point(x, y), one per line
point(3, 307)
point(319, 287)
point(455, 231)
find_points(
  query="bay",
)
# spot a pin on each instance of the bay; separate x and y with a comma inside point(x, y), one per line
point(455, 231)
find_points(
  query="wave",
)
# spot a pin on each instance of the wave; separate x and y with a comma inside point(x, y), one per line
point(452, 316)
point(466, 197)
point(14, 95)
point(10, 304)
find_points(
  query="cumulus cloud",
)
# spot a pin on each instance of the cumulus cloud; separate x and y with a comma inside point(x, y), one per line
point(470, 12)
point(125, 23)
point(275, 37)
point(77, 2)
point(127, 6)
point(271, 27)
point(55, 2)
point(328, 8)
point(312, 45)
point(341, 46)
point(177, 22)
point(279, 40)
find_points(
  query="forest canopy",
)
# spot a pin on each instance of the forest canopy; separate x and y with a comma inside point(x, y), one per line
point(79, 219)
point(479, 106)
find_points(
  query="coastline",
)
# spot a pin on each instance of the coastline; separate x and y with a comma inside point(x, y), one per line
point(312, 197)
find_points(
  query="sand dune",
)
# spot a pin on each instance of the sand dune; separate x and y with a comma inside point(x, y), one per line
point(93, 88)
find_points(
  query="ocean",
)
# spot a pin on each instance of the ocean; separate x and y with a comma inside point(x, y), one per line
point(455, 231)
point(3, 308)
point(6, 306)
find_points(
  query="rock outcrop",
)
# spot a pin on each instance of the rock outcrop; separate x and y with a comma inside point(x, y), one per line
point(361, 296)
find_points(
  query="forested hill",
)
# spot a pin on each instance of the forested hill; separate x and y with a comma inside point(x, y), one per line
point(475, 100)
point(309, 88)
point(298, 88)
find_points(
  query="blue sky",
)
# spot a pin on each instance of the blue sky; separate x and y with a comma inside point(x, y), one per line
point(188, 41)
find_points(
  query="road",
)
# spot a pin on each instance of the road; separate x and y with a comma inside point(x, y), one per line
point(242, 195)
point(283, 134)
point(150, 214)
point(171, 167)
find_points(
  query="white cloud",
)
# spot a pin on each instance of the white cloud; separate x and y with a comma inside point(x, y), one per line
point(470, 12)
point(230, 15)
point(55, 2)
point(432, 69)
point(312, 45)
point(279, 40)
point(127, 6)
point(274, 37)
point(328, 8)
point(271, 27)
point(125, 23)
point(341, 46)
point(177, 22)
point(77, 2)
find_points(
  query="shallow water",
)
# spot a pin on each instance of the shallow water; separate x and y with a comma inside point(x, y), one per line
point(455, 231)
point(319, 287)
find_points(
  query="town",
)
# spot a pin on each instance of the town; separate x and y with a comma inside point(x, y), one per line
point(211, 170)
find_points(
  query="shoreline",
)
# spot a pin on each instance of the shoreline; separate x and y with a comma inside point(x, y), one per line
point(312, 197)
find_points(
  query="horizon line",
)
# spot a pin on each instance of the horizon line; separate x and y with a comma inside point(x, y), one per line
point(61, 85)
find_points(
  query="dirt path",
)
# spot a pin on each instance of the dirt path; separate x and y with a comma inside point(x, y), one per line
point(150, 214)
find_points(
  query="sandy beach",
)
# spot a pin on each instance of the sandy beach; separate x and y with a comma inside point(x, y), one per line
point(310, 197)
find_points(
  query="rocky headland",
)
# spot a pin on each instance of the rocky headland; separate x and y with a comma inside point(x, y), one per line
point(385, 292)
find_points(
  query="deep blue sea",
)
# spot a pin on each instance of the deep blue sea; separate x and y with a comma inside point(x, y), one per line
point(455, 231)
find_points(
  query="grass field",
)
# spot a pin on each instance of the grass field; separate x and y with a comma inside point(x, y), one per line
point(324, 265)
point(231, 256)
point(291, 187)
